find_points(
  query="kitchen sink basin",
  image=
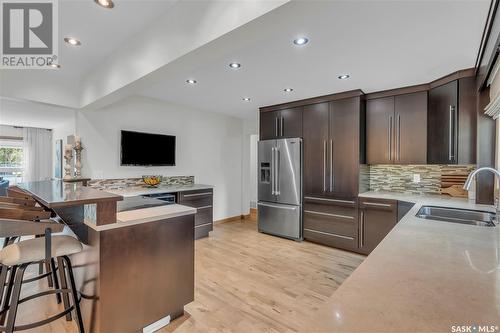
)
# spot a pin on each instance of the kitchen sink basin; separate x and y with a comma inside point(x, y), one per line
point(456, 215)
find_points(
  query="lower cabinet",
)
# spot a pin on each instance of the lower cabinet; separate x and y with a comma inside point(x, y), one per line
point(377, 217)
point(202, 200)
point(331, 222)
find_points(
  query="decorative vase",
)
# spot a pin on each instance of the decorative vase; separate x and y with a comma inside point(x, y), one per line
point(68, 156)
point(77, 146)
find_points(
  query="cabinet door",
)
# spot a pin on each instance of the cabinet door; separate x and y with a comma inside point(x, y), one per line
point(343, 146)
point(290, 123)
point(442, 124)
point(467, 120)
point(410, 141)
point(376, 219)
point(380, 130)
point(315, 134)
point(269, 125)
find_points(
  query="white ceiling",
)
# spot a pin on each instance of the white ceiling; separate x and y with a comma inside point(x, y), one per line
point(380, 44)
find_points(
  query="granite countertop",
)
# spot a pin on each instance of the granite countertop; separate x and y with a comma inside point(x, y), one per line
point(133, 191)
point(425, 276)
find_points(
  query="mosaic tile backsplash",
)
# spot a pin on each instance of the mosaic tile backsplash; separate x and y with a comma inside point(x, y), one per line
point(102, 184)
point(399, 178)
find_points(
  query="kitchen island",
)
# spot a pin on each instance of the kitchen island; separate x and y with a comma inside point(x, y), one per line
point(137, 266)
point(425, 276)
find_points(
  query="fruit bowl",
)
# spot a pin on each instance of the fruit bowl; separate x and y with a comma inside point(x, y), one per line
point(152, 181)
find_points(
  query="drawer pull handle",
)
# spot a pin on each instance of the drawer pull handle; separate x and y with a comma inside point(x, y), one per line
point(197, 194)
point(202, 225)
point(332, 215)
point(330, 200)
point(377, 204)
point(329, 234)
point(204, 207)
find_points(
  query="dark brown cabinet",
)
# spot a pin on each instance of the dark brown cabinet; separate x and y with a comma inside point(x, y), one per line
point(396, 129)
point(202, 200)
point(377, 217)
point(452, 123)
point(280, 124)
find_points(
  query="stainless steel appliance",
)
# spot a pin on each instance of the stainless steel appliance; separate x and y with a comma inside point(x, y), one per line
point(280, 187)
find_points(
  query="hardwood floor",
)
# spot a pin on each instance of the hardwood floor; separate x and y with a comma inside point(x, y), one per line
point(245, 282)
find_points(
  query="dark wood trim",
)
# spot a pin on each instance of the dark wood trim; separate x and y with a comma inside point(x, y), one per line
point(452, 77)
point(398, 91)
point(313, 100)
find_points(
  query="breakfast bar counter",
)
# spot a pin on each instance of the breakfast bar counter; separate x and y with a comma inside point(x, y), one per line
point(137, 267)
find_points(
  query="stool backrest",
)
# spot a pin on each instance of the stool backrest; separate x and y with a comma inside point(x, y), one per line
point(19, 201)
point(16, 228)
point(16, 192)
point(23, 214)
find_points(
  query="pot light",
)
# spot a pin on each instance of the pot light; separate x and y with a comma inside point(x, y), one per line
point(105, 3)
point(300, 41)
point(54, 65)
point(343, 76)
point(246, 99)
point(72, 41)
point(191, 81)
point(288, 90)
point(235, 65)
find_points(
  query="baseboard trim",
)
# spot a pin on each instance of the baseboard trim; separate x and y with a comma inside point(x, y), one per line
point(229, 219)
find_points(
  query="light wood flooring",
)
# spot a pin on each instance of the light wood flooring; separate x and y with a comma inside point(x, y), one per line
point(245, 282)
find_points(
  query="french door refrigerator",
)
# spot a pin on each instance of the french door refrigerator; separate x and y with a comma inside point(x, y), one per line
point(280, 187)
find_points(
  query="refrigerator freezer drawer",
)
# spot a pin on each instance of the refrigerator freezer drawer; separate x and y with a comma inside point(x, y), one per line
point(280, 220)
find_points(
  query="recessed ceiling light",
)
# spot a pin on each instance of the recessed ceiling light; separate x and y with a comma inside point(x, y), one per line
point(54, 65)
point(235, 65)
point(105, 3)
point(288, 89)
point(301, 41)
point(191, 81)
point(343, 76)
point(72, 41)
point(246, 99)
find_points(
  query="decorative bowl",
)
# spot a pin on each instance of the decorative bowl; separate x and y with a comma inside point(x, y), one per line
point(152, 181)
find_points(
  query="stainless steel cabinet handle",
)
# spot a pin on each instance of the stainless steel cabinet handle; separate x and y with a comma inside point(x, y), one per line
point(347, 217)
point(377, 204)
point(203, 207)
point(329, 234)
point(276, 126)
point(282, 123)
point(399, 138)
point(332, 180)
point(389, 138)
point(197, 194)
point(278, 206)
point(324, 165)
point(362, 230)
point(451, 127)
point(330, 200)
point(202, 225)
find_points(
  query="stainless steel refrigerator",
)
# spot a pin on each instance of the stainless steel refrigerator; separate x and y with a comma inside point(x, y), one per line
point(280, 187)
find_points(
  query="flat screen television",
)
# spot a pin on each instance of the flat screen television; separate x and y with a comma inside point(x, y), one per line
point(147, 149)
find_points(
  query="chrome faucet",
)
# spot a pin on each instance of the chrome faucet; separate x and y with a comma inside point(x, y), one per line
point(471, 177)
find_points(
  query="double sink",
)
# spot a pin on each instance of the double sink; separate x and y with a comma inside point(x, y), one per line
point(457, 215)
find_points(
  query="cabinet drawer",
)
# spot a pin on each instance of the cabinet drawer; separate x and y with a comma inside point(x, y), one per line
point(203, 215)
point(339, 241)
point(329, 205)
point(345, 225)
point(202, 230)
point(196, 199)
point(378, 204)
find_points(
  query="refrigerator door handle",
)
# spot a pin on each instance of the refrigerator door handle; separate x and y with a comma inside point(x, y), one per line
point(277, 206)
point(324, 165)
point(277, 173)
point(272, 171)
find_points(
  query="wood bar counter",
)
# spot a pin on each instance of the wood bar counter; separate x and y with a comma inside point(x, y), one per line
point(137, 266)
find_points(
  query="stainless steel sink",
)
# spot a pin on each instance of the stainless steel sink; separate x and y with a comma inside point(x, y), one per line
point(456, 215)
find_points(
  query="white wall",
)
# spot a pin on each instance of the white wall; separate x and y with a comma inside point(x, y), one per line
point(32, 114)
point(208, 145)
point(248, 184)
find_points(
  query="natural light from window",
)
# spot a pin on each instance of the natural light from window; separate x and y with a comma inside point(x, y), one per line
point(11, 160)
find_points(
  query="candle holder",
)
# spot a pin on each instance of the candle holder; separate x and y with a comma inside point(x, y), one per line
point(78, 163)
point(68, 156)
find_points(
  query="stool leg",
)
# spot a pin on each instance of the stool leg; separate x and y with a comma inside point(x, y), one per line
point(49, 277)
point(11, 319)
point(64, 285)
point(6, 300)
point(3, 279)
point(74, 293)
point(55, 279)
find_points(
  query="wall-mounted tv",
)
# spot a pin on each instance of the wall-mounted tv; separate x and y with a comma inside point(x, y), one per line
point(147, 149)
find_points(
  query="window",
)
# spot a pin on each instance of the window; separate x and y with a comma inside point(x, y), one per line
point(11, 160)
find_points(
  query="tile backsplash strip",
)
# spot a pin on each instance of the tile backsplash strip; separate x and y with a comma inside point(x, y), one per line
point(102, 184)
point(399, 178)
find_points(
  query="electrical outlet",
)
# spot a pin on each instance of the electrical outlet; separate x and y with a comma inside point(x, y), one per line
point(416, 178)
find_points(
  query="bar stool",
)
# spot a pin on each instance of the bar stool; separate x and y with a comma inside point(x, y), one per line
point(15, 258)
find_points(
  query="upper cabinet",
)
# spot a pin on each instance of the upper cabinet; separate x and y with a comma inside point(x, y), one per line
point(396, 129)
point(281, 124)
point(452, 123)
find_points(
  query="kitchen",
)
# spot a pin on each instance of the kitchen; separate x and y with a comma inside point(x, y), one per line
point(343, 202)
